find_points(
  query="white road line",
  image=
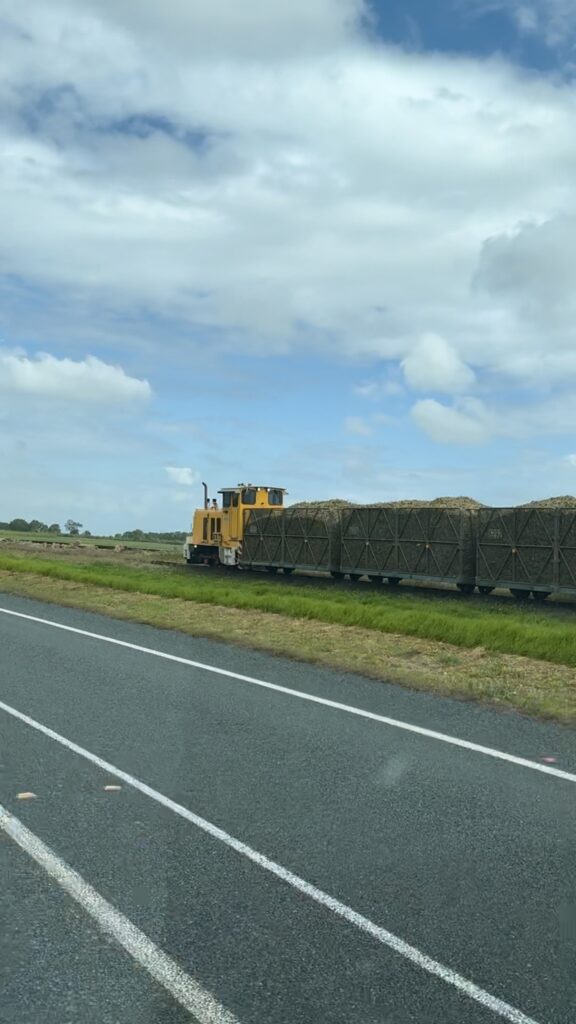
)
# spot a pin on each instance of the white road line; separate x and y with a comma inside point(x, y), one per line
point(393, 942)
point(195, 999)
point(454, 741)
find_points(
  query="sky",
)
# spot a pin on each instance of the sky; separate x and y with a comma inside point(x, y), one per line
point(327, 245)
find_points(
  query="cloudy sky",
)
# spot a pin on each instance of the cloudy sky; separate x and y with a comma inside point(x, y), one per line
point(323, 244)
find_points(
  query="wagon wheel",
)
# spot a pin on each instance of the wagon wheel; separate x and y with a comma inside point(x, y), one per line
point(271, 568)
point(376, 580)
point(466, 588)
point(336, 575)
point(393, 581)
point(486, 590)
point(354, 577)
point(288, 571)
point(541, 595)
point(520, 595)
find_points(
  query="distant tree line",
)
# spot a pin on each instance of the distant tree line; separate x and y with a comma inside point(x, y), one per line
point(75, 529)
point(36, 526)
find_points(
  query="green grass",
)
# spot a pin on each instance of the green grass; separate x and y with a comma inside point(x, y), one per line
point(109, 542)
point(466, 624)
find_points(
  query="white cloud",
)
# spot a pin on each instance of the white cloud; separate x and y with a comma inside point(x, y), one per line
point(89, 380)
point(184, 476)
point(570, 460)
point(369, 390)
point(379, 389)
point(266, 195)
point(472, 421)
point(528, 269)
point(357, 426)
point(292, 188)
point(434, 365)
point(217, 27)
point(468, 424)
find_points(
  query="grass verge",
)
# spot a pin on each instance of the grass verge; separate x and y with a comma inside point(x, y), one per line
point(507, 630)
point(471, 671)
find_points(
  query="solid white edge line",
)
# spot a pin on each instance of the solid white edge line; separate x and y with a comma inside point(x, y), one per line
point(419, 730)
point(386, 938)
point(187, 992)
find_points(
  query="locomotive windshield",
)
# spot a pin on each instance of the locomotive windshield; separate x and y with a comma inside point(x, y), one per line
point(230, 499)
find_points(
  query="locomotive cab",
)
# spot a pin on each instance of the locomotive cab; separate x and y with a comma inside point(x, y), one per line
point(218, 528)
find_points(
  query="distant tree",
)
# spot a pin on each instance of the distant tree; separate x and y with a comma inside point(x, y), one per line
point(54, 528)
point(86, 533)
point(174, 535)
point(19, 524)
point(73, 527)
point(35, 526)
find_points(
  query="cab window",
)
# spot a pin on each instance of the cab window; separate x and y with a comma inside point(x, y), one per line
point(275, 497)
point(248, 496)
point(205, 528)
point(230, 499)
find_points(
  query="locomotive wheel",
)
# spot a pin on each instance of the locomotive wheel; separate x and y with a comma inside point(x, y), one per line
point(540, 595)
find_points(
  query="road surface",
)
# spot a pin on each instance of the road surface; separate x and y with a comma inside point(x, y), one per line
point(282, 844)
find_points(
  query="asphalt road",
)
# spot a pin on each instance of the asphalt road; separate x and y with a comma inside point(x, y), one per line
point(349, 851)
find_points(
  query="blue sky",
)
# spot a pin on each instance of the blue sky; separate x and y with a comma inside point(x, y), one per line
point(478, 29)
point(323, 244)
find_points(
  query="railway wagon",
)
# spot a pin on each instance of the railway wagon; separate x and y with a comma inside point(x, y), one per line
point(304, 539)
point(527, 550)
point(428, 543)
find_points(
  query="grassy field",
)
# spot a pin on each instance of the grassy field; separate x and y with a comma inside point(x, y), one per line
point(520, 657)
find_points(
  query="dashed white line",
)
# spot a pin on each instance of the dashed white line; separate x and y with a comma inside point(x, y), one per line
point(187, 992)
point(364, 924)
point(395, 723)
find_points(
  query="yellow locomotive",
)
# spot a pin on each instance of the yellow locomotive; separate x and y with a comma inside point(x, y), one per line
point(218, 528)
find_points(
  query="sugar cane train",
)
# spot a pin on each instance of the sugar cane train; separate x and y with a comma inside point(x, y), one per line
point(528, 550)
